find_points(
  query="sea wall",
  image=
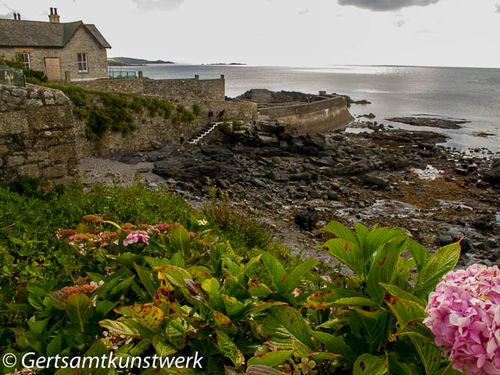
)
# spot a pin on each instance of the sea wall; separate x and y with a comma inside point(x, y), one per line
point(37, 134)
point(185, 91)
point(309, 118)
point(152, 132)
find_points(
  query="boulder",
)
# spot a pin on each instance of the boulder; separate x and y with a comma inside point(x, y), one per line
point(307, 219)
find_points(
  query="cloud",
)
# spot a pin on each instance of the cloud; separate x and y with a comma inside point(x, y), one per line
point(9, 14)
point(386, 5)
point(400, 23)
point(498, 8)
point(304, 11)
point(158, 4)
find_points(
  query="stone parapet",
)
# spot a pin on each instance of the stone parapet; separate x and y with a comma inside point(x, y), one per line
point(37, 134)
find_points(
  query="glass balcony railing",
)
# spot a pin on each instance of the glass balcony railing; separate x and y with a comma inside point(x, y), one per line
point(12, 76)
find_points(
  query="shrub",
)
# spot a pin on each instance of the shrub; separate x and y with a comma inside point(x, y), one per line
point(105, 111)
point(375, 319)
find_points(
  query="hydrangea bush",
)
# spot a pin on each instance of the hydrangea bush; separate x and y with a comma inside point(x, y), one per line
point(464, 315)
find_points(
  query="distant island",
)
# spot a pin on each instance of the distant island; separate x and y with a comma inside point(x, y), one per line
point(233, 63)
point(129, 61)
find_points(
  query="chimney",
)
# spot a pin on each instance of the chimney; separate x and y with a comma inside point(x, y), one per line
point(53, 16)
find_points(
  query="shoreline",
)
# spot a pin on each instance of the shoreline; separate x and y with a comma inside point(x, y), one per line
point(368, 177)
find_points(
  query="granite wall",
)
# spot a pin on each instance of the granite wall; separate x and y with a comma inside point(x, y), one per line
point(309, 118)
point(185, 91)
point(37, 134)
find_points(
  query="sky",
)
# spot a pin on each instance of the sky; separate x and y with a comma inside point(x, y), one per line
point(288, 32)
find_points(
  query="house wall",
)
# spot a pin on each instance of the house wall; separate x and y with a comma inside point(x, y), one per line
point(82, 42)
point(37, 134)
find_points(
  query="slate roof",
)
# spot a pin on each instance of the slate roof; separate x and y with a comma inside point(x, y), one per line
point(43, 34)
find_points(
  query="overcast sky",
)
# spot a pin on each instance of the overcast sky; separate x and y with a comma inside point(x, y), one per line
point(289, 32)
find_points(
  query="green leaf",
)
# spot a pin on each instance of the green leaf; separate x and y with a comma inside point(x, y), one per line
point(275, 269)
point(354, 301)
point(229, 349)
point(384, 267)
point(418, 252)
point(368, 364)
point(285, 324)
point(294, 278)
point(146, 277)
point(378, 237)
point(176, 275)
point(258, 289)
point(55, 345)
point(118, 328)
point(162, 348)
point(402, 294)
point(179, 236)
point(78, 309)
point(371, 326)
point(271, 359)
point(336, 344)
point(341, 231)
point(346, 252)
point(147, 314)
point(406, 311)
point(430, 355)
point(439, 264)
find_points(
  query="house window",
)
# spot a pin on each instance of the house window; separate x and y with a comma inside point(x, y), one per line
point(83, 62)
point(24, 58)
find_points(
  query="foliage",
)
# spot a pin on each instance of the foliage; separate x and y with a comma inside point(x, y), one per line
point(32, 76)
point(175, 282)
point(376, 317)
point(106, 111)
point(464, 316)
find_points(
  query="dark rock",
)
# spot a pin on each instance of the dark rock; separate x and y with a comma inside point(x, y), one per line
point(272, 127)
point(134, 158)
point(307, 219)
point(268, 140)
point(493, 174)
point(430, 122)
point(485, 222)
point(375, 181)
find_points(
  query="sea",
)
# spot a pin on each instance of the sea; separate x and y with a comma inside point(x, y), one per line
point(472, 94)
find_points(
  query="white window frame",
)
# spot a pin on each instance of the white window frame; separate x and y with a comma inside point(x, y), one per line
point(25, 58)
point(82, 60)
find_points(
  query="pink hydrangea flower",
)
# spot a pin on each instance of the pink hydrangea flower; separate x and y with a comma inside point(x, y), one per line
point(137, 236)
point(464, 316)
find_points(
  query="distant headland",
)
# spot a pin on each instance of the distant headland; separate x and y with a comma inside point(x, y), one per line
point(130, 61)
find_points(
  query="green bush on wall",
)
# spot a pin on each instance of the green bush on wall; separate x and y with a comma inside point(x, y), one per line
point(106, 111)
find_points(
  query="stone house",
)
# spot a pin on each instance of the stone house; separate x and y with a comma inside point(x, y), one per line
point(72, 51)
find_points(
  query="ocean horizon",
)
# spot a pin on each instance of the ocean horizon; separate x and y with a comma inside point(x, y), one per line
point(461, 93)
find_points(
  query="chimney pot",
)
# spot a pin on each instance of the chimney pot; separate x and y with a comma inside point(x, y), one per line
point(53, 16)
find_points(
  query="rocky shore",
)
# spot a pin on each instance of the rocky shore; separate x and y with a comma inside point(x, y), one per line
point(366, 172)
point(298, 183)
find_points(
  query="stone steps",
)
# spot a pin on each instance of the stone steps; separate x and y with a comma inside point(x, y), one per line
point(206, 131)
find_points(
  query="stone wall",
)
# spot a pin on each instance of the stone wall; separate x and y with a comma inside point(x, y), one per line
point(152, 132)
point(123, 85)
point(185, 91)
point(82, 42)
point(37, 134)
point(309, 118)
